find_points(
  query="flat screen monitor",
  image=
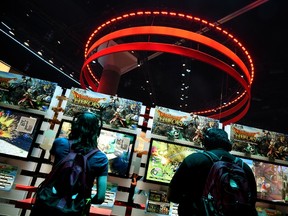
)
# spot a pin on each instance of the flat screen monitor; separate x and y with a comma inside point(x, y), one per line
point(117, 145)
point(164, 158)
point(271, 179)
point(18, 130)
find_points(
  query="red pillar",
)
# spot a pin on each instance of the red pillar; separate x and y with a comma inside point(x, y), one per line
point(109, 82)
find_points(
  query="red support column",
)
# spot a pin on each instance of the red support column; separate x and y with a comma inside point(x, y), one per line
point(109, 82)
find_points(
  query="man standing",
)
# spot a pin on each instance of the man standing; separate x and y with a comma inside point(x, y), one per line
point(187, 185)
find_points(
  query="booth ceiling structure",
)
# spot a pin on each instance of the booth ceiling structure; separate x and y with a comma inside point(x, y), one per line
point(60, 29)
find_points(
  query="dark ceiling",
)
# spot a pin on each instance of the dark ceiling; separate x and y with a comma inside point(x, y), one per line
point(259, 24)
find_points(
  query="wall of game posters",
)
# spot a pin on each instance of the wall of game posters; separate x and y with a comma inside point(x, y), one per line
point(116, 112)
point(181, 126)
point(26, 92)
point(174, 135)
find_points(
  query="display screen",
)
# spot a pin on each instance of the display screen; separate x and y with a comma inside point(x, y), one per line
point(164, 158)
point(117, 145)
point(271, 179)
point(17, 132)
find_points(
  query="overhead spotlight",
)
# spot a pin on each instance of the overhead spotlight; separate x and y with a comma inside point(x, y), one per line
point(40, 53)
point(51, 61)
point(138, 62)
point(26, 43)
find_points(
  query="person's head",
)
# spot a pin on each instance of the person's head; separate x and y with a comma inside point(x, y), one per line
point(215, 138)
point(85, 129)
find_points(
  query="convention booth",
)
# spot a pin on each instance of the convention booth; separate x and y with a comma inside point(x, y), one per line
point(142, 143)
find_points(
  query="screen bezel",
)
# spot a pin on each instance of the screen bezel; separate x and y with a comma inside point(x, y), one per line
point(20, 113)
point(130, 150)
point(147, 177)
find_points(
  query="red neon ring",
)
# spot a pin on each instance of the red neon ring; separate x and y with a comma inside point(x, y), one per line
point(168, 31)
point(180, 51)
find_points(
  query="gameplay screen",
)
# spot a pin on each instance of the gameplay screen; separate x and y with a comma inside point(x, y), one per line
point(17, 132)
point(271, 179)
point(164, 158)
point(117, 145)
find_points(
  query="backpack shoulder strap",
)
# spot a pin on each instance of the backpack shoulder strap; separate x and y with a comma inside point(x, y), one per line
point(89, 154)
point(239, 162)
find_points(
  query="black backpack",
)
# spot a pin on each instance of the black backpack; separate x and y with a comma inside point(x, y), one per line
point(227, 191)
point(65, 190)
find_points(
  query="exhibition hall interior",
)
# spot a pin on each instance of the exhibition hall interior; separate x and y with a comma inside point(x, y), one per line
point(260, 27)
point(161, 72)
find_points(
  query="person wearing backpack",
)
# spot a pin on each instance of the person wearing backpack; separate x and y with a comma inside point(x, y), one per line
point(187, 185)
point(85, 130)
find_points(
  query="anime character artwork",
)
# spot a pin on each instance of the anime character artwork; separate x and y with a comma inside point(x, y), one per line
point(254, 141)
point(26, 92)
point(177, 125)
point(116, 112)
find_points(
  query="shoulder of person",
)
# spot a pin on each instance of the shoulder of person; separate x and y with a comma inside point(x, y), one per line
point(58, 143)
point(197, 157)
point(100, 154)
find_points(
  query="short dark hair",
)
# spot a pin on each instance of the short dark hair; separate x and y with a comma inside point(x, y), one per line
point(216, 138)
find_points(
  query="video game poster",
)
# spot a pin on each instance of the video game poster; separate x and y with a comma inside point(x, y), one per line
point(175, 124)
point(260, 142)
point(26, 92)
point(116, 112)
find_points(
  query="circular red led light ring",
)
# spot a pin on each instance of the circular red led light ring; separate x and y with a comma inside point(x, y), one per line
point(168, 31)
point(187, 52)
point(172, 15)
point(244, 97)
point(176, 32)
